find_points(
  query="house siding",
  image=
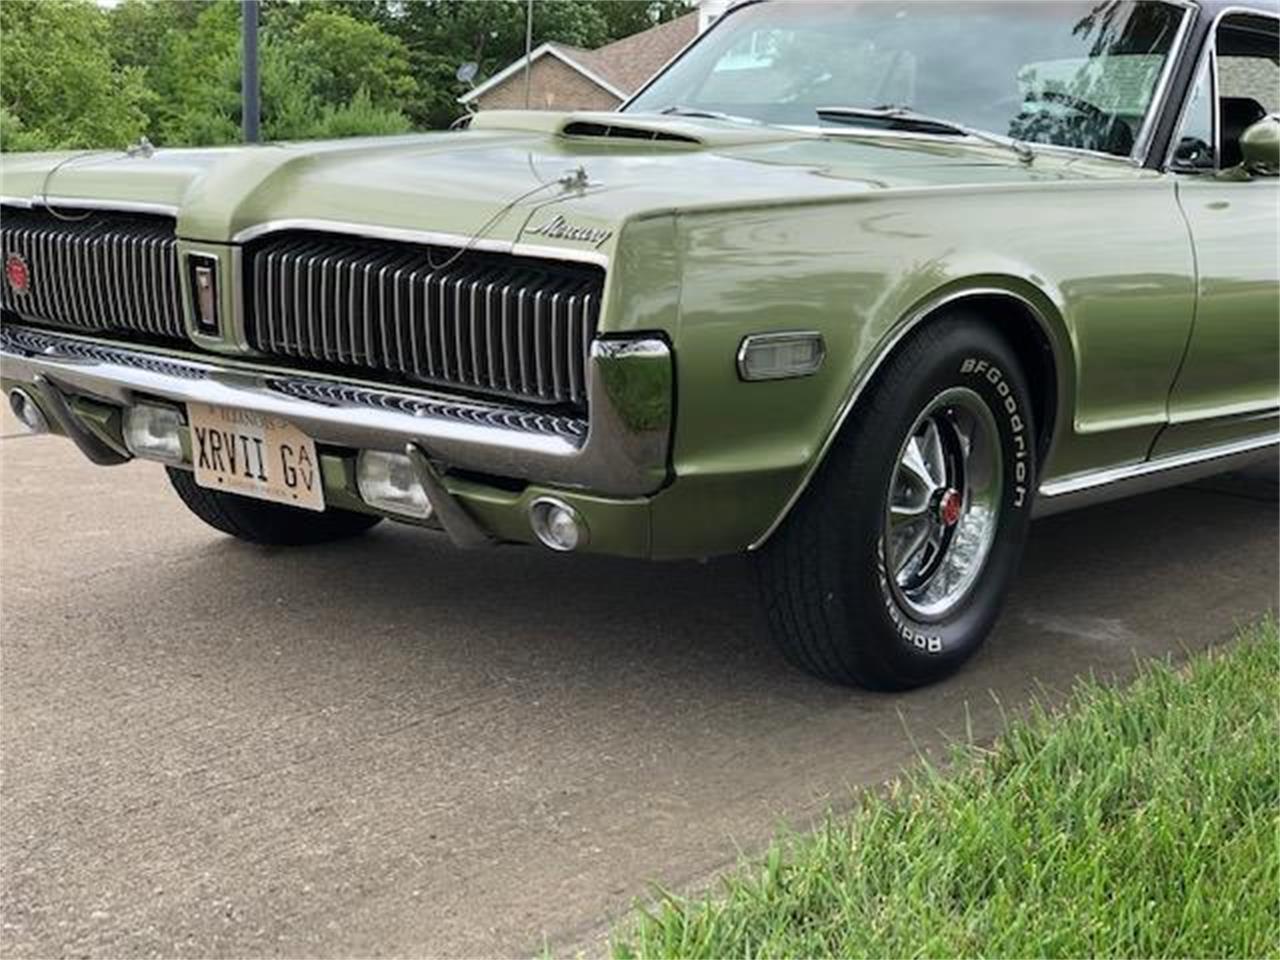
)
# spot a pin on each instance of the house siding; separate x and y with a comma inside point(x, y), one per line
point(553, 86)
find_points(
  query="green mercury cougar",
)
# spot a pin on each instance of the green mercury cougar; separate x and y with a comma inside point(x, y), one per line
point(857, 287)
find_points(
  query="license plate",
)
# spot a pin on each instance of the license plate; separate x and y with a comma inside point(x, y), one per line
point(254, 455)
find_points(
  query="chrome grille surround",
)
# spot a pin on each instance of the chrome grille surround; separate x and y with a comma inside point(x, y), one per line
point(488, 323)
point(95, 270)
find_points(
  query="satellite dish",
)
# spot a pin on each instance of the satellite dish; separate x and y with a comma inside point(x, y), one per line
point(467, 72)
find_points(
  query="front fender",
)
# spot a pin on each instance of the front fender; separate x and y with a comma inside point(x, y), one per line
point(865, 274)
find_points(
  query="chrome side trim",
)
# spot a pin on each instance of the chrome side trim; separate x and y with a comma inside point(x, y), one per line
point(89, 203)
point(882, 352)
point(622, 451)
point(405, 235)
point(1098, 486)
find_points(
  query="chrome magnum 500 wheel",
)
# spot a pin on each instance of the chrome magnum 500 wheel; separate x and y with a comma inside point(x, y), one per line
point(943, 504)
point(892, 569)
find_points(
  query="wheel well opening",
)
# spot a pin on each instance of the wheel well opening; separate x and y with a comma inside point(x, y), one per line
point(1022, 330)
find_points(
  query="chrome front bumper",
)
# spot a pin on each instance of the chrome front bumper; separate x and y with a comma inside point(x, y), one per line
point(621, 449)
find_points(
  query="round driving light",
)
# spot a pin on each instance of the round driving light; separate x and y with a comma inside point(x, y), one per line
point(26, 410)
point(557, 525)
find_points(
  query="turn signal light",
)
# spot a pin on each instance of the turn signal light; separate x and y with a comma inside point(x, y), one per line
point(780, 356)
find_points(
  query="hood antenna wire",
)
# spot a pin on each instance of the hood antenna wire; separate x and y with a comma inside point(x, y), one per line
point(573, 180)
point(142, 148)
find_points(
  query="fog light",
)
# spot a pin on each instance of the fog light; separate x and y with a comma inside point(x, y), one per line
point(779, 356)
point(27, 411)
point(387, 481)
point(557, 525)
point(154, 432)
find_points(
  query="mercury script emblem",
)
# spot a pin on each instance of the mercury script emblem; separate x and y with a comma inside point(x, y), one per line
point(557, 228)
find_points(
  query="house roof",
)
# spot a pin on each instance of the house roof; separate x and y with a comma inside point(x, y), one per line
point(619, 67)
point(629, 62)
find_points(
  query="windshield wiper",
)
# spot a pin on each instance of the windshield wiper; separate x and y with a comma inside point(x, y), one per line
point(904, 118)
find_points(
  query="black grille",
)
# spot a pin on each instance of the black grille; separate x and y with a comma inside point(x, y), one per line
point(485, 322)
point(93, 270)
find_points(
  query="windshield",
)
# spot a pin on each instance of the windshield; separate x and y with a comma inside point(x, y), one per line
point(1073, 74)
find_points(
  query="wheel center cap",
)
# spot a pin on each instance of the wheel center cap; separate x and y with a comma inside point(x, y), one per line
point(949, 507)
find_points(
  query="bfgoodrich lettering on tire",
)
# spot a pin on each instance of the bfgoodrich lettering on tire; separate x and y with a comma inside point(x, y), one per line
point(893, 567)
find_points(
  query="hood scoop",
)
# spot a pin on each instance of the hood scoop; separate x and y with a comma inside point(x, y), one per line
point(614, 131)
point(634, 128)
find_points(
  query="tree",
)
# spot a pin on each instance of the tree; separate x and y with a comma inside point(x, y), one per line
point(346, 55)
point(196, 80)
point(625, 17)
point(61, 87)
point(321, 70)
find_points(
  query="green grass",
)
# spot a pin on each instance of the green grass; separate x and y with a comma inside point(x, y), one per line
point(1142, 821)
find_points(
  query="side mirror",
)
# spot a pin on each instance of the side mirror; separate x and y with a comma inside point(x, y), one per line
point(1260, 147)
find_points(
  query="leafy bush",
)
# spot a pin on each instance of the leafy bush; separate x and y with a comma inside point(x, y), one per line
point(360, 118)
point(14, 137)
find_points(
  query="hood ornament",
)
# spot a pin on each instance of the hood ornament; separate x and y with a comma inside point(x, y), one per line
point(576, 179)
point(143, 148)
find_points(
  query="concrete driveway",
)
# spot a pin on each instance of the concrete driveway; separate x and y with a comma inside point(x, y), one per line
point(391, 748)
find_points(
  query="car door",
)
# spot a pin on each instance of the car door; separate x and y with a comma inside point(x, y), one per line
point(1227, 390)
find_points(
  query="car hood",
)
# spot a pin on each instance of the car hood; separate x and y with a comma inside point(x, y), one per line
point(566, 179)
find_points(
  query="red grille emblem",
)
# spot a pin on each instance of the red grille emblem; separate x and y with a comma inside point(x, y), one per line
point(17, 273)
point(949, 508)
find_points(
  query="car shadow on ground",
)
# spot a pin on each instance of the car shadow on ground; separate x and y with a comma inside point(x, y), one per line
point(698, 627)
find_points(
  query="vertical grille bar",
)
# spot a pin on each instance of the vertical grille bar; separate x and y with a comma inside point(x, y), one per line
point(557, 349)
point(508, 351)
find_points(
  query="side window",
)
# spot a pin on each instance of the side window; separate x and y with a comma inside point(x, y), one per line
point(1235, 89)
point(1248, 78)
point(1195, 146)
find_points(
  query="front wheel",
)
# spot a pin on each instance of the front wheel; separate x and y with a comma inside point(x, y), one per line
point(893, 567)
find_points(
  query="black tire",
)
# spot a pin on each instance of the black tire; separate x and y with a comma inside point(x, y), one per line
point(830, 603)
point(268, 524)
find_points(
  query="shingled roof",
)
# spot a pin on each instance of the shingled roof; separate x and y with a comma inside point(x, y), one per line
point(620, 67)
point(629, 62)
